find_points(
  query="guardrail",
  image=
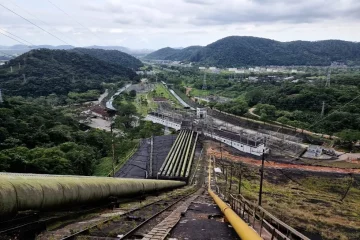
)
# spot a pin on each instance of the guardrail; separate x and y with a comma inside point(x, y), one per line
point(122, 161)
point(258, 216)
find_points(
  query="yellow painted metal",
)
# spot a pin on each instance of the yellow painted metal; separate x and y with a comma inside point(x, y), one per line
point(241, 227)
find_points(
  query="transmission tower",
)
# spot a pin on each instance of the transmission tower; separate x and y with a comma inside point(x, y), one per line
point(327, 84)
point(1, 99)
point(204, 87)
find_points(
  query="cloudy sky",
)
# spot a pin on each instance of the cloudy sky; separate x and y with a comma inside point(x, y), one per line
point(154, 24)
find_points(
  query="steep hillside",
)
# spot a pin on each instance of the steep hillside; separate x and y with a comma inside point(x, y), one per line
point(111, 56)
point(184, 54)
point(162, 53)
point(236, 51)
point(57, 71)
point(239, 51)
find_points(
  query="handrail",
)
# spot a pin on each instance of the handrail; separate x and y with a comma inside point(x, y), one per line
point(240, 226)
point(129, 155)
point(265, 217)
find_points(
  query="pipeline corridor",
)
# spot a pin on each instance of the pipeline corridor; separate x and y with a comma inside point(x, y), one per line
point(180, 157)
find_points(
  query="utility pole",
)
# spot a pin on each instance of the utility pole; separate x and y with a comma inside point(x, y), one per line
point(261, 177)
point(151, 155)
point(231, 175)
point(240, 175)
point(221, 152)
point(112, 147)
point(1, 99)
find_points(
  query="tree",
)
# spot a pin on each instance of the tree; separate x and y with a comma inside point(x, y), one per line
point(132, 93)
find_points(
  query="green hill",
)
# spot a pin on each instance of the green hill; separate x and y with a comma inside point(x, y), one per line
point(162, 53)
point(236, 51)
point(111, 56)
point(184, 54)
point(58, 71)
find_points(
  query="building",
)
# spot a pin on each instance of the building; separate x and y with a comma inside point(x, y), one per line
point(201, 113)
point(97, 111)
point(202, 68)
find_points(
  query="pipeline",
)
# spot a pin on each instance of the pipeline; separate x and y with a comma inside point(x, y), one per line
point(20, 192)
point(191, 156)
point(241, 227)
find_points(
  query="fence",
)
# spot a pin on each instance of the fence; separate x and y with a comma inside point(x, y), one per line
point(266, 224)
point(261, 219)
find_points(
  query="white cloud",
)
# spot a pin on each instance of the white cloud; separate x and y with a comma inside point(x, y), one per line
point(160, 23)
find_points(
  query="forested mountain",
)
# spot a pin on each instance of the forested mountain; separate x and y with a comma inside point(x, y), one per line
point(45, 71)
point(184, 54)
point(173, 54)
point(162, 53)
point(111, 56)
point(236, 51)
point(38, 139)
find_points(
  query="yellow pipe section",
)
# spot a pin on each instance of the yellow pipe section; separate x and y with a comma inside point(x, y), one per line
point(241, 227)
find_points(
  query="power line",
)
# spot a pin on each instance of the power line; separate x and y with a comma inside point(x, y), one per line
point(34, 16)
point(61, 10)
point(12, 38)
point(7, 32)
point(34, 24)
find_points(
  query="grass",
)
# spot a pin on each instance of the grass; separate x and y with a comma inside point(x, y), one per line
point(335, 164)
point(143, 109)
point(104, 168)
point(314, 207)
point(199, 93)
point(162, 91)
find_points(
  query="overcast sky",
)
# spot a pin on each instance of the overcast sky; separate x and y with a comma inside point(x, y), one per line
point(154, 24)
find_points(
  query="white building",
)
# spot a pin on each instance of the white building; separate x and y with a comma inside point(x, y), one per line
point(201, 113)
point(202, 68)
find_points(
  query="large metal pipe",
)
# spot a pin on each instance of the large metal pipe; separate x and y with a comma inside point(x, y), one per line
point(166, 162)
point(19, 192)
point(181, 171)
point(241, 227)
point(191, 156)
point(178, 158)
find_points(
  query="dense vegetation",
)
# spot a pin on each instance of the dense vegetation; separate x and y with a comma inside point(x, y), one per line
point(162, 53)
point(43, 72)
point(236, 51)
point(111, 56)
point(129, 120)
point(174, 54)
point(292, 103)
point(36, 138)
